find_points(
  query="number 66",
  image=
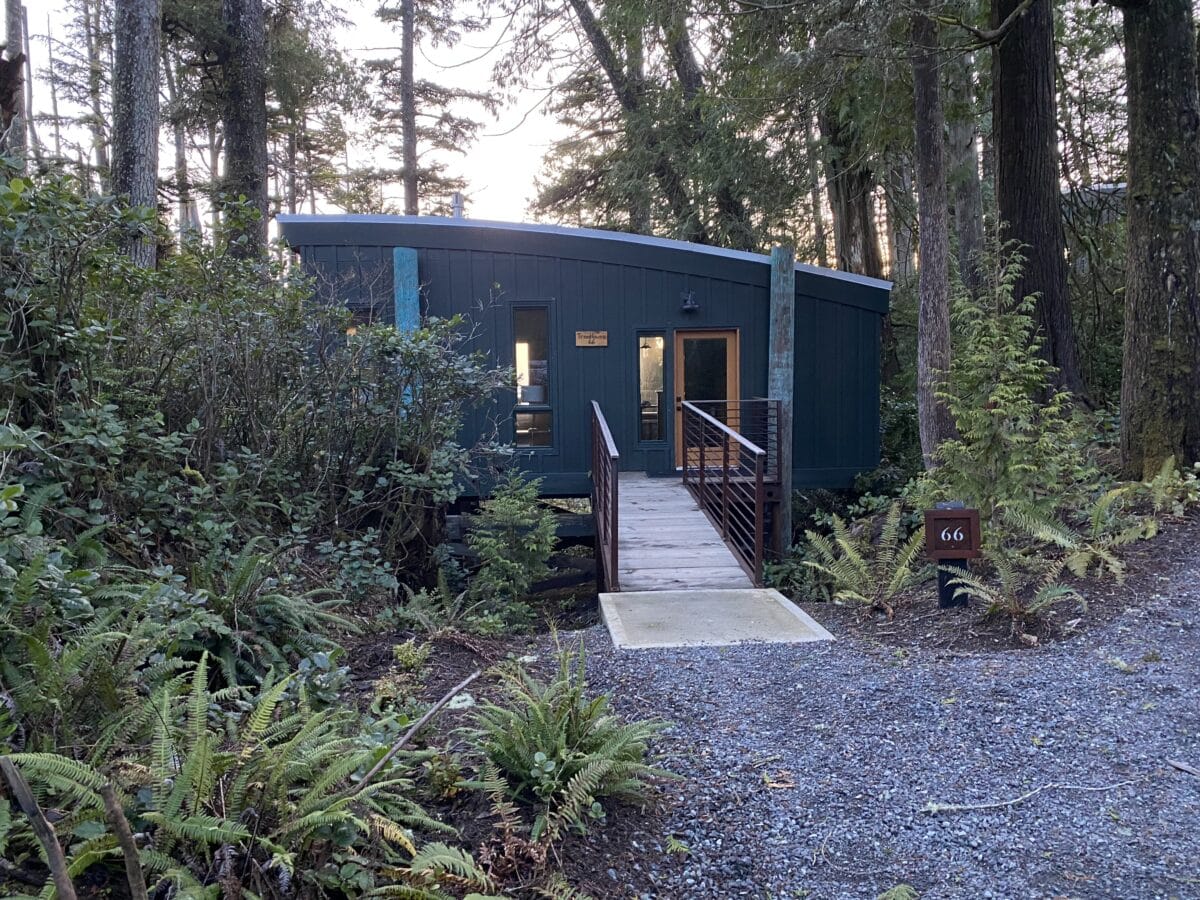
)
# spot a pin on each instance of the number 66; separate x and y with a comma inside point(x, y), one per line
point(955, 535)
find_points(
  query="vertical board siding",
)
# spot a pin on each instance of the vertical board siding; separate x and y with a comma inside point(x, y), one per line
point(836, 402)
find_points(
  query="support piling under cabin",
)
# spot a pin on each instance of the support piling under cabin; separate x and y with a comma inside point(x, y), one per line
point(653, 332)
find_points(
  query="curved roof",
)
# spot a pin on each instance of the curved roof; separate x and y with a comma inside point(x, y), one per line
point(367, 230)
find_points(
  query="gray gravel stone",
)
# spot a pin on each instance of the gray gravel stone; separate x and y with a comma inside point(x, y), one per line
point(807, 767)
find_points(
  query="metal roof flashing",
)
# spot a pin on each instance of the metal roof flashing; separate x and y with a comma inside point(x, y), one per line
point(287, 219)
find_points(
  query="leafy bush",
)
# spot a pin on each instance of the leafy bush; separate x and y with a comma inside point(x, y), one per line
point(190, 456)
point(795, 577)
point(561, 753)
point(264, 626)
point(867, 573)
point(199, 404)
point(1171, 491)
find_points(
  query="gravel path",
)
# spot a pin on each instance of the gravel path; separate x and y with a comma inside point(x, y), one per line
point(807, 766)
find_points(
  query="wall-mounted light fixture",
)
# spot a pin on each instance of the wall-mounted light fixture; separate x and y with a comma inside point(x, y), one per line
point(688, 304)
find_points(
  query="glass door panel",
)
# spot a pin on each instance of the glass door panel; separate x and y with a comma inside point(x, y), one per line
point(706, 373)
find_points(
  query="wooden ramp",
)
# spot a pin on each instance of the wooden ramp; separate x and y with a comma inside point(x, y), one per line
point(666, 543)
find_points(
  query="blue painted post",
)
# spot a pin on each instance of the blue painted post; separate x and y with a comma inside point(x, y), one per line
point(406, 291)
point(406, 288)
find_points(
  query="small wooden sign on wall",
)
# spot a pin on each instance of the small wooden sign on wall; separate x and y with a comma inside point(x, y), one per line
point(591, 339)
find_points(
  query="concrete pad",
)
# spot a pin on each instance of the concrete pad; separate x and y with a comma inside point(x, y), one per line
point(639, 620)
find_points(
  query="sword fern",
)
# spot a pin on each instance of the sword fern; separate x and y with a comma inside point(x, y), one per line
point(865, 573)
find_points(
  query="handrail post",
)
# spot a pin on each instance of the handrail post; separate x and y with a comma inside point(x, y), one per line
point(703, 495)
point(724, 488)
point(683, 425)
point(760, 503)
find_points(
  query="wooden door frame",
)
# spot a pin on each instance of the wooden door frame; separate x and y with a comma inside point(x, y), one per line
point(732, 373)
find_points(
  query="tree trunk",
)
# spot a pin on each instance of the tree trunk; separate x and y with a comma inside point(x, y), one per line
point(933, 324)
point(1160, 384)
point(135, 111)
point(243, 60)
point(58, 151)
point(640, 193)
point(34, 142)
point(408, 105)
point(11, 78)
point(214, 171)
point(851, 187)
point(964, 171)
point(670, 181)
point(15, 141)
point(732, 219)
point(852, 198)
point(818, 208)
point(902, 240)
point(97, 123)
point(1028, 199)
point(293, 162)
point(189, 214)
point(186, 212)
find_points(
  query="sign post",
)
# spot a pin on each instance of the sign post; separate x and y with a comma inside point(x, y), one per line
point(951, 538)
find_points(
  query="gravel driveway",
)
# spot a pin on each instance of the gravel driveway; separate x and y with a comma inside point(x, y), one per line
point(808, 766)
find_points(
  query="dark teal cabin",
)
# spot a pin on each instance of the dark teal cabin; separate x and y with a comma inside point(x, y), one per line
point(634, 323)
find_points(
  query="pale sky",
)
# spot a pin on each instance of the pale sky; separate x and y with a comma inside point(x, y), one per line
point(500, 167)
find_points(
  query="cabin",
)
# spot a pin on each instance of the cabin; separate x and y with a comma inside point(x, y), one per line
point(645, 355)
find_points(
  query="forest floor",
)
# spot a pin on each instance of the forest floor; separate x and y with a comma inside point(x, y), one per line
point(809, 770)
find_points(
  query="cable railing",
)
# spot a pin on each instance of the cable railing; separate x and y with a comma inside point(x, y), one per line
point(757, 420)
point(727, 472)
point(605, 460)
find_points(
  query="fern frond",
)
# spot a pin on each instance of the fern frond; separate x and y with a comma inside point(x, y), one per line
point(390, 831)
point(436, 859)
point(74, 779)
point(201, 828)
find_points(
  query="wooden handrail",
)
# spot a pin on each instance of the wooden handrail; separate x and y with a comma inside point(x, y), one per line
point(605, 482)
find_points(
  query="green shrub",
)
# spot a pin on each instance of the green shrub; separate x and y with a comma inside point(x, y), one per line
point(411, 658)
point(560, 752)
point(1172, 490)
point(795, 577)
point(1020, 445)
point(872, 574)
point(201, 403)
point(265, 626)
point(514, 536)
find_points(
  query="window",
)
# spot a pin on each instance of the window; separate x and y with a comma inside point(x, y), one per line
point(650, 387)
point(534, 420)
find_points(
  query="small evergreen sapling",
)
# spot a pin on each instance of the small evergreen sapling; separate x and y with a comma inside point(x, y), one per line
point(1020, 444)
point(514, 537)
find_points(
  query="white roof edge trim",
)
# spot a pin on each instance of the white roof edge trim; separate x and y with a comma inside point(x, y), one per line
point(565, 231)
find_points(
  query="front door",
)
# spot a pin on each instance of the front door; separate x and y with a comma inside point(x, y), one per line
point(706, 369)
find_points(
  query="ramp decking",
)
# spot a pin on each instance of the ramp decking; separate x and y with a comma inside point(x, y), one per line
point(666, 542)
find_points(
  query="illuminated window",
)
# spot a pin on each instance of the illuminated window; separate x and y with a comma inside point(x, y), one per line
point(534, 419)
point(650, 387)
